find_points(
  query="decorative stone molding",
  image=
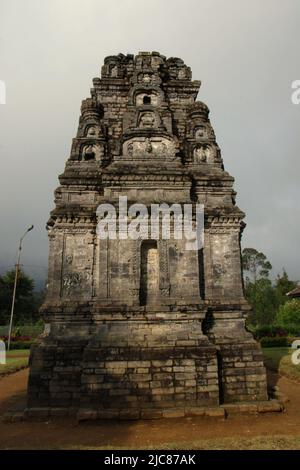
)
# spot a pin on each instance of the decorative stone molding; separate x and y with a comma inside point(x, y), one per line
point(147, 323)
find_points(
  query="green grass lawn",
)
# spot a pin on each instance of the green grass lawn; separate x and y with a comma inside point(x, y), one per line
point(279, 359)
point(15, 360)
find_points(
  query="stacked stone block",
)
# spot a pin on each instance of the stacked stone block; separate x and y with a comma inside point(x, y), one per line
point(137, 330)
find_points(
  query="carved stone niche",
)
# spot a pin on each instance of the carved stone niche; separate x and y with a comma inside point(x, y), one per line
point(198, 119)
point(144, 118)
point(199, 154)
point(91, 113)
point(145, 97)
point(153, 147)
point(146, 93)
point(148, 119)
point(94, 130)
point(205, 153)
point(92, 151)
point(201, 133)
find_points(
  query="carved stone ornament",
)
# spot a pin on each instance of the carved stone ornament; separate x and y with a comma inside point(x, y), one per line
point(71, 280)
point(156, 146)
point(93, 152)
point(145, 323)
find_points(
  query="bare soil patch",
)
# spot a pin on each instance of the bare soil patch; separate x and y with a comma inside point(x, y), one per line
point(270, 430)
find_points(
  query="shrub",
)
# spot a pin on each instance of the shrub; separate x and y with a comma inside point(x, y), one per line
point(269, 331)
point(21, 344)
point(289, 313)
point(24, 330)
point(274, 342)
point(292, 329)
point(17, 338)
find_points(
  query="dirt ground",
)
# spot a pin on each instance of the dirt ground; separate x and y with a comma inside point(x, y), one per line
point(167, 433)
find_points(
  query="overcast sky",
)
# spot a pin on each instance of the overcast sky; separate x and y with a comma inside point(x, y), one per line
point(245, 52)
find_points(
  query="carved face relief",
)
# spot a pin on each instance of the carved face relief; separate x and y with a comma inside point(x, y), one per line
point(147, 120)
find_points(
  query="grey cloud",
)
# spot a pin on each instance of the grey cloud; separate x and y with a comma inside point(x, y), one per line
point(245, 53)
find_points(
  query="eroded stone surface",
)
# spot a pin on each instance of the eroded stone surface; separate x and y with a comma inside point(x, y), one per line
point(144, 328)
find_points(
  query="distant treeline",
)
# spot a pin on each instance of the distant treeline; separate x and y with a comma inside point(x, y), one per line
point(27, 303)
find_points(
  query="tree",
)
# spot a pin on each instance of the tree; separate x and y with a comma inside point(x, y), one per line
point(255, 263)
point(283, 285)
point(258, 288)
point(289, 313)
point(26, 304)
point(263, 300)
point(264, 297)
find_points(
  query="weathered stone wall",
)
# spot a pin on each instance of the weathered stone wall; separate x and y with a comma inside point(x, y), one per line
point(133, 367)
point(142, 328)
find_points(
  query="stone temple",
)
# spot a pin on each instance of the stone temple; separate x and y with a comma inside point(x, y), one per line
point(143, 328)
